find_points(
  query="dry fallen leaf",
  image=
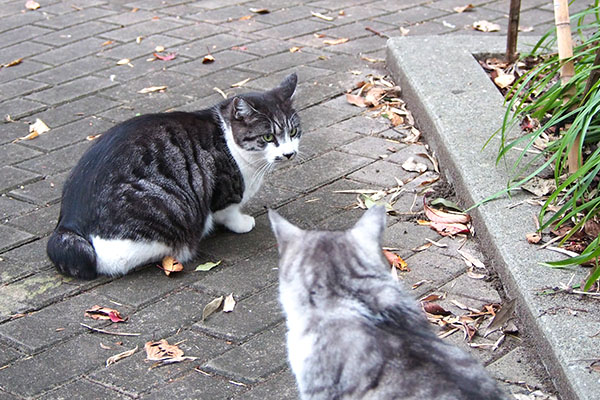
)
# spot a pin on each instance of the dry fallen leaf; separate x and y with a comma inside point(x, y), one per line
point(294, 49)
point(166, 57)
point(474, 275)
point(260, 10)
point(445, 217)
point(246, 18)
point(120, 356)
point(123, 61)
point(539, 186)
point(170, 264)
point(471, 260)
point(356, 100)
point(93, 137)
point(240, 83)
point(211, 307)
point(396, 261)
point(462, 9)
point(156, 351)
point(404, 31)
point(504, 80)
point(533, 238)
point(333, 42)
point(152, 89)
point(207, 266)
point(36, 129)
point(486, 26)
point(435, 309)
point(228, 303)
point(321, 16)
point(207, 59)
point(107, 43)
point(32, 5)
point(12, 63)
point(413, 166)
point(104, 313)
point(501, 317)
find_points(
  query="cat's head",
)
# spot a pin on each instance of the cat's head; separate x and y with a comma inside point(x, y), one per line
point(266, 123)
point(319, 264)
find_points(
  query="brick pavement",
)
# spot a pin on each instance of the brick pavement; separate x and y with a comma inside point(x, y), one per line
point(69, 78)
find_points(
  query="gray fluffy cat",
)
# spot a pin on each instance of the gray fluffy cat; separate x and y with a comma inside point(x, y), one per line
point(353, 333)
point(154, 185)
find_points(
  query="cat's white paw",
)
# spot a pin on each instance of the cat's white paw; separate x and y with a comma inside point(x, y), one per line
point(241, 223)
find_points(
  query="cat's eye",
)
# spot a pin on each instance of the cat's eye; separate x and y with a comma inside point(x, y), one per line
point(293, 132)
point(268, 137)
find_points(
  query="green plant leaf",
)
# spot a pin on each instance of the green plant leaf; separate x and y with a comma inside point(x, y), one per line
point(207, 266)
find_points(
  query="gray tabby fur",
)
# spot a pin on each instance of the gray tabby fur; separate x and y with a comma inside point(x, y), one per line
point(353, 332)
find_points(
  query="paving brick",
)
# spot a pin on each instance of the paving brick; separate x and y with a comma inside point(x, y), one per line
point(25, 70)
point(23, 261)
point(281, 386)
point(142, 287)
point(42, 192)
point(74, 33)
point(221, 13)
point(308, 211)
point(244, 278)
point(72, 70)
point(196, 30)
point(322, 140)
point(21, 50)
point(57, 161)
point(515, 365)
point(433, 268)
point(54, 324)
point(294, 29)
point(19, 108)
point(39, 289)
point(20, 87)
point(213, 44)
point(223, 60)
point(145, 28)
point(407, 236)
point(363, 45)
point(129, 18)
point(54, 367)
point(71, 90)
point(11, 237)
point(250, 316)
point(289, 14)
point(134, 376)
point(133, 49)
point(412, 16)
point(8, 354)
point(319, 117)
point(266, 47)
point(268, 196)
point(74, 17)
point(70, 52)
point(196, 385)
point(10, 207)
point(319, 171)
point(363, 124)
point(219, 244)
point(76, 131)
point(12, 153)
point(256, 359)
point(382, 173)
point(372, 147)
point(478, 289)
point(83, 389)
point(39, 222)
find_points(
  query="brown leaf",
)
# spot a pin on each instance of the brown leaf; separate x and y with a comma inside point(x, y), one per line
point(486, 26)
point(156, 351)
point(246, 17)
point(356, 100)
point(32, 5)
point(592, 228)
point(120, 356)
point(533, 237)
point(374, 95)
point(93, 137)
point(411, 165)
point(208, 59)
point(104, 313)
point(462, 9)
point(170, 264)
point(12, 63)
point(501, 317)
point(396, 261)
point(295, 49)
point(445, 217)
point(504, 80)
point(107, 43)
point(333, 42)
point(539, 186)
point(435, 309)
point(448, 229)
point(152, 89)
point(211, 307)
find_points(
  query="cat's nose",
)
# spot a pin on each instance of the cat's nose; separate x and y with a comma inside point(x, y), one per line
point(289, 156)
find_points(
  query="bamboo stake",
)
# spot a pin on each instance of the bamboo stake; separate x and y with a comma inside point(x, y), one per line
point(513, 30)
point(567, 71)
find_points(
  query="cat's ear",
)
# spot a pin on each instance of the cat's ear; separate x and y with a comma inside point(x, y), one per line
point(241, 108)
point(284, 230)
point(369, 228)
point(287, 88)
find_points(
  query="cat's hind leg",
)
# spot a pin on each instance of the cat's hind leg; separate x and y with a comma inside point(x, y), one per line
point(233, 218)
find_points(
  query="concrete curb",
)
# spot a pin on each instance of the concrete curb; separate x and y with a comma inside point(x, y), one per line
point(458, 108)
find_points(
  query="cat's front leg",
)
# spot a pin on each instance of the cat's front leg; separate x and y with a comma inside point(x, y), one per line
point(233, 218)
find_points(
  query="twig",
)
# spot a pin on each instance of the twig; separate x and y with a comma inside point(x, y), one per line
point(383, 35)
point(108, 332)
point(563, 251)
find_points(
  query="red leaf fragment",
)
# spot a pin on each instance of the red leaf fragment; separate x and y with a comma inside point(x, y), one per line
point(104, 313)
point(435, 309)
point(165, 57)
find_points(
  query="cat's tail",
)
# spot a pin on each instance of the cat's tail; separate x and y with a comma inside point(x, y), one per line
point(72, 254)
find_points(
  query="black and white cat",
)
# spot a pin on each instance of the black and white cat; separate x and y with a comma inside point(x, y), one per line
point(353, 332)
point(156, 184)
